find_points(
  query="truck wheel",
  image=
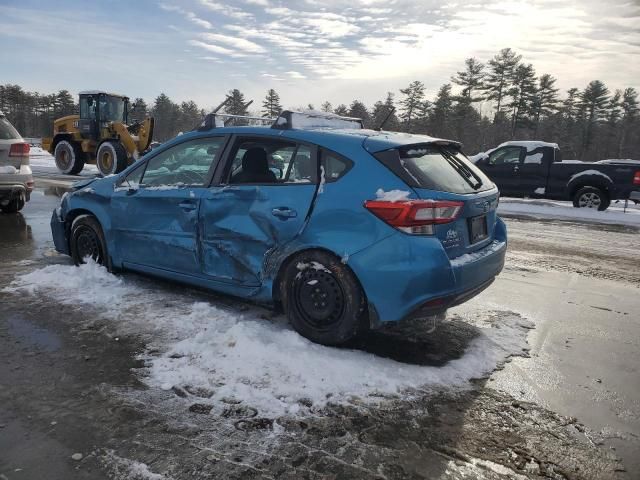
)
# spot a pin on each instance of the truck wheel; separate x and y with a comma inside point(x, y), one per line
point(323, 299)
point(591, 197)
point(87, 241)
point(69, 157)
point(15, 205)
point(111, 158)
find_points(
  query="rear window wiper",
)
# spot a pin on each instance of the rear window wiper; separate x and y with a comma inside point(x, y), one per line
point(465, 172)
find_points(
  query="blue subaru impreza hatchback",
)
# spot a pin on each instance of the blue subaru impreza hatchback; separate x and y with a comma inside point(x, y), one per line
point(344, 228)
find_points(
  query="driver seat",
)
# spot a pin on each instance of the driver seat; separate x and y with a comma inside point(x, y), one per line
point(255, 168)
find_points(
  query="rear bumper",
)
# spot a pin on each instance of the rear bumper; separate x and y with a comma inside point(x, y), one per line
point(59, 233)
point(14, 185)
point(406, 277)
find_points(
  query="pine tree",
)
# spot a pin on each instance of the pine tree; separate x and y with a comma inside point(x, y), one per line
point(522, 94)
point(497, 81)
point(138, 110)
point(440, 117)
point(545, 101)
point(236, 104)
point(413, 103)
point(166, 115)
point(357, 109)
point(271, 105)
point(326, 107)
point(593, 100)
point(629, 123)
point(381, 111)
point(470, 79)
point(190, 116)
point(341, 110)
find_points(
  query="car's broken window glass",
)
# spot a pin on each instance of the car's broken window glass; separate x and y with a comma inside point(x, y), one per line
point(185, 164)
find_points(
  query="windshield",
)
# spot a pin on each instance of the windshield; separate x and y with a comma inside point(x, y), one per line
point(7, 132)
point(112, 109)
point(442, 168)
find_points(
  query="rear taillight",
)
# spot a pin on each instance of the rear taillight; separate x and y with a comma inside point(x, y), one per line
point(416, 217)
point(636, 178)
point(19, 150)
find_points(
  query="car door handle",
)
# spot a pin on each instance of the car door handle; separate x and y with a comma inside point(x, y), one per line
point(284, 212)
point(516, 168)
point(187, 205)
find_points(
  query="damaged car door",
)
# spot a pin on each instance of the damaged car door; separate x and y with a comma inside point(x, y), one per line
point(155, 207)
point(260, 204)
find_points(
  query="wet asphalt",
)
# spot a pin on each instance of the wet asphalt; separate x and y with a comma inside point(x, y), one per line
point(568, 409)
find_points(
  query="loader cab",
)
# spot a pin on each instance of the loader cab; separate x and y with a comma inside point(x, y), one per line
point(97, 109)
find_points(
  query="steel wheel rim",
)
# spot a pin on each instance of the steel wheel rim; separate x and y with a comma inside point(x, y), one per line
point(88, 244)
point(106, 161)
point(64, 159)
point(319, 298)
point(589, 200)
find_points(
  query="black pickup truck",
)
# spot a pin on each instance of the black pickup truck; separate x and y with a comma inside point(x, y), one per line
point(536, 169)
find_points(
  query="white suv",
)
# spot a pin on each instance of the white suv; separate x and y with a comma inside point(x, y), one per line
point(16, 181)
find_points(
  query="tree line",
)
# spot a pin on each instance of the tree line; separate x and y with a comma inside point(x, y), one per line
point(499, 100)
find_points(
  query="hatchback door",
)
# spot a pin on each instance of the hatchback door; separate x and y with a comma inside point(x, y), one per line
point(463, 201)
point(155, 207)
point(261, 204)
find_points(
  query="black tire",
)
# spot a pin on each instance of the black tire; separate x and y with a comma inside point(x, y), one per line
point(69, 157)
point(87, 240)
point(111, 158)
point(591, 197)
point(323, 299)
point(14, 206)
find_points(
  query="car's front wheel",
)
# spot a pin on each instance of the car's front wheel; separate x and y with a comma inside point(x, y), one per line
point(323, 299)
point(87, 241)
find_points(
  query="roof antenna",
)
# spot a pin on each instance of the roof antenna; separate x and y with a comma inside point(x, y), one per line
point(386, 119)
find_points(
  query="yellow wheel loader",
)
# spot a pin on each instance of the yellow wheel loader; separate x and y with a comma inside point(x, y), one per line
point(100, 135)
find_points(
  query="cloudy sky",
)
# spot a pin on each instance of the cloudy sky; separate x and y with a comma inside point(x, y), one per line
point(308, 50)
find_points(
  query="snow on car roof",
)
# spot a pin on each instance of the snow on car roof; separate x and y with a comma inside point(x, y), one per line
point(529, 144)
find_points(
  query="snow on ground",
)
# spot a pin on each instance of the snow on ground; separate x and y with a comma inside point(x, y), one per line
point(42, 161)
point(243, 356)
point(551, 209)
point(125, 469)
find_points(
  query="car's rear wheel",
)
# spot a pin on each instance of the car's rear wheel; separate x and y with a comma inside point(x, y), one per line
point(14, 205)
point(323, 299)
point(591, 197)
point(87, 241)
point(111, 158)
point(69, 157)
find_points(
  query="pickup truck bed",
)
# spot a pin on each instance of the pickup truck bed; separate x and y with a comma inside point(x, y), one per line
point(536, 169)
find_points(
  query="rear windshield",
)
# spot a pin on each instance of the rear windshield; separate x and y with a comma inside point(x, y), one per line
point(436, 167)
point(7, 132)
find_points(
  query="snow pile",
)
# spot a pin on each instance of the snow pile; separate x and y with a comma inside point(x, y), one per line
point(125, 469)
point(620, 160)
point(316, 119)
point(530, 145)
point(392, 195)
point(8, 169)
point(548, 209)
point(264, 363)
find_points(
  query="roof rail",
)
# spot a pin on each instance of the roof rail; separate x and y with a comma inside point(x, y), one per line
point(313, 119)
point(219, 120)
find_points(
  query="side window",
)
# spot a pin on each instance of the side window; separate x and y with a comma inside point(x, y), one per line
point(535, 156)
point(271, 161)
point(185, 164)
point(507, 155)
point(133, 179)
point(333, 166)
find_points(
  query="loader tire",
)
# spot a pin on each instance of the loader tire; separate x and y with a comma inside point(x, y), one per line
point(69, 157)
point(111, 158)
